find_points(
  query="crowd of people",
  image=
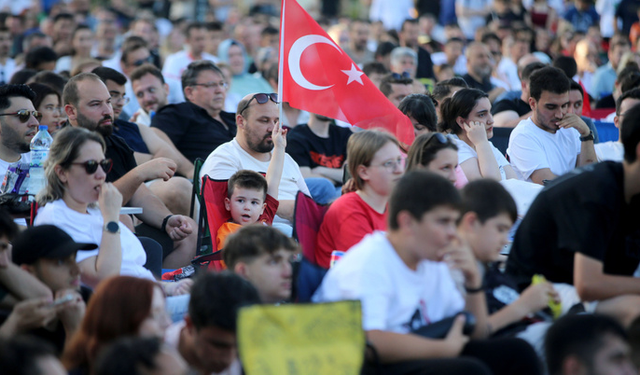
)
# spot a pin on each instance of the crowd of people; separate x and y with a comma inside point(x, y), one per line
point(511, 220)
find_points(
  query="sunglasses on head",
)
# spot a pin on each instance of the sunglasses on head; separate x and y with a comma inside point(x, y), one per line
point(24, 115)
point(91, 166)
point(441, 138)
point(261, 99)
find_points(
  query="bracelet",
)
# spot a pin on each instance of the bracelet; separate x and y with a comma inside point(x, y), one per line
point(474, 290)
point(163, 227)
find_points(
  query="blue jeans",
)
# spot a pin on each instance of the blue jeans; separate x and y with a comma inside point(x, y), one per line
point(322, 190)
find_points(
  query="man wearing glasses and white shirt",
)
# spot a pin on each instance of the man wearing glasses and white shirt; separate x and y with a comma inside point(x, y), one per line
point(199, 125)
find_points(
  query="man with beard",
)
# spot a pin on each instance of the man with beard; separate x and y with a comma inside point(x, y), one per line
point(16, 130)
point(479, 70)
point(320, 149)
point(151, 91)
point(357, 48)
point(7, 64)
point(199, 125)
point(87, 102)
point(251, 149)
point(553, 140)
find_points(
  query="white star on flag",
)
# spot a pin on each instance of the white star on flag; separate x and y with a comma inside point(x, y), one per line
point(354, 74)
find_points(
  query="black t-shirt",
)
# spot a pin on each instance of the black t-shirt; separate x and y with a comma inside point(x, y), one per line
point(606, 102)
point(192, 130)
point(583, 211)
point(485, 85)
point(425, 64)
point(628, 11)
point(309, 150)
point(130, 132)
point(122, 156)
point(517, 105)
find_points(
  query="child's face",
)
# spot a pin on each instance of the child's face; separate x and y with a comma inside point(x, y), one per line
point(271, 275)
point(245, 205)
point(488, 239)
point(435, 232)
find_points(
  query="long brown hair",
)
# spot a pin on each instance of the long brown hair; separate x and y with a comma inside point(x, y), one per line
point(117, 308)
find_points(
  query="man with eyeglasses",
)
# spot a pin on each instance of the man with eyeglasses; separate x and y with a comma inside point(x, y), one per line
point(251, 149)
point(88, 104)
point(199, 125)
point(18, 124)
point(175, 192)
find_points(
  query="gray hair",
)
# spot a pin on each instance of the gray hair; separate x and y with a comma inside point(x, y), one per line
point(400, 52)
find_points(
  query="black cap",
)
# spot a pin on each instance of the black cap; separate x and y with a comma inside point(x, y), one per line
point(45, 241)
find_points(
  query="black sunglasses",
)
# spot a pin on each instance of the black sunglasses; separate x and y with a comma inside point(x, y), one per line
point(261, 99)
point(143, 61)
point(23, 115)
point(404, 75)
point(442, 139)
point(91, 166)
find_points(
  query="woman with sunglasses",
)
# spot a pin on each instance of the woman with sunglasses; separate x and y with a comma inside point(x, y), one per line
point(48, 104)
point(467, 116)
point(436, 153)
point(375, 164)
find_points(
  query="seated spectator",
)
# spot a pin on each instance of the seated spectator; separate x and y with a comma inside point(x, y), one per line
point(49, 254)
point(487, 214)
point(375, 164)
point(614, 150)
point(320, 149)
point(140, 356)
point(76, 169)
point(199, 125)
point(47, 102)
point(452, 56)
point(81, 45)
point(233, 53)
point(605, 76)
point(444, 89)
point(263, 256)
point(28, 296)
point(150, 90)
point(588, 344)
point(252, 149)
point(175, 192)
point(609, 101)
point(24, 355)
point(553, 141)
point(508, 113)
point(357, 47)
point(479, 70)
point(396, 87)
point(436, 153)
point(404, 63)
point(404, 284)
point(421, 111)
point(206, 338)
point(249, 194)
point(174, 232)
point(175, 64)
point(466, 115)
point(576, 102)
point(586, 238)
point(121, 306)
point(581, 15)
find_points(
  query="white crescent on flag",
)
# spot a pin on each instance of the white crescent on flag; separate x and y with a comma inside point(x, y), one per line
point(295, 53)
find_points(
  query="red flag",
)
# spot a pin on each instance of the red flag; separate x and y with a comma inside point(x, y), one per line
point(317, 76)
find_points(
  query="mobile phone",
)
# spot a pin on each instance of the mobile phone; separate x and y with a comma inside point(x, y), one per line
point(65, 299)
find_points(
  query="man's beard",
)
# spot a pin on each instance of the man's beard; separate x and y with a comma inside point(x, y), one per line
point(263, 146)
point(14, 141)
point(104, 130)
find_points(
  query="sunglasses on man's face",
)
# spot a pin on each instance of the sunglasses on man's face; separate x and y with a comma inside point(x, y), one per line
point(91, 166)
point(261, 99)
point(24, 115)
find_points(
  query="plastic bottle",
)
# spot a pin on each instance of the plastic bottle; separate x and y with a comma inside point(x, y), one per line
point(40, 145)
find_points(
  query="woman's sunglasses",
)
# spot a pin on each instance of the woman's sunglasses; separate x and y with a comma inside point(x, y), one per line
point(441, 138)
point(91, 166)
point(24, 115)
point(261, 99)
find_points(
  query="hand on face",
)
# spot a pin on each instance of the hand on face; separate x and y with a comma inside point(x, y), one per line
point(110, 201)
point(571, 120)
point(460, 256)
point(476, 131)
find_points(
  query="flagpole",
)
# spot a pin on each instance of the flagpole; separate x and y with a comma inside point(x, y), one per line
point(281, 65)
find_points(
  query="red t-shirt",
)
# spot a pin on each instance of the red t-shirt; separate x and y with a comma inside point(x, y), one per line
point(347, 221)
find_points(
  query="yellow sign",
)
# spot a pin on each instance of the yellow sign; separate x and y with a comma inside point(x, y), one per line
point(305, 339)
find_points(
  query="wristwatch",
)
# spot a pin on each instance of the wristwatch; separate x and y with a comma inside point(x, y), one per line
point(587, 137)
point(111, 227)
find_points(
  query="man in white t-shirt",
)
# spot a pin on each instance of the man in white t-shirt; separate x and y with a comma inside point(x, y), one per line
point(552, 141)
point(176, 63)
point(614, 150)
point(251, 149)
point(16, 134)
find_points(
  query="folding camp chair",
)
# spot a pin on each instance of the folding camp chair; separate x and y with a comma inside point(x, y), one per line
point(307, 218)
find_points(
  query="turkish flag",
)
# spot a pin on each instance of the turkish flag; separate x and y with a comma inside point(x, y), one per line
point(318, 76)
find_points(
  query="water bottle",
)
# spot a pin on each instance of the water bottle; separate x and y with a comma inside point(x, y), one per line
point(40, 145)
